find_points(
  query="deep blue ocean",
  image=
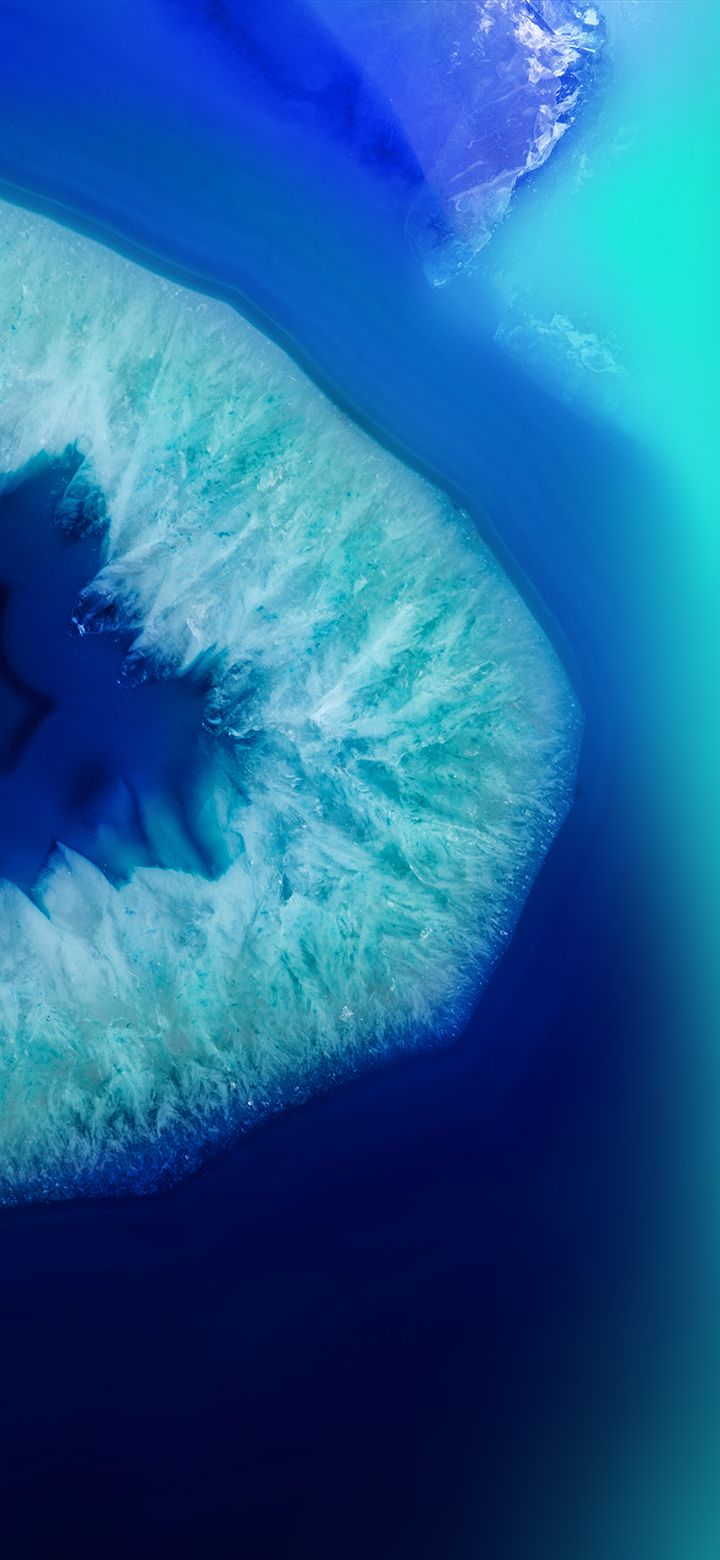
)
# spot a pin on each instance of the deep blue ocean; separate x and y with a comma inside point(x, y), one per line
point(405, 1320)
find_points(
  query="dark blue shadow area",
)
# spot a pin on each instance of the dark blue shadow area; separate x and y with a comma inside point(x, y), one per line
point(312, 79)
point(407, 1322)
point(112, 770)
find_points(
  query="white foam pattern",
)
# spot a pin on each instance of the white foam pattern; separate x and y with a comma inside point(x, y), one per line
point(395, 737)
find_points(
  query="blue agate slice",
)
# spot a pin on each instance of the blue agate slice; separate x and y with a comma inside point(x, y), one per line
point(309, 846)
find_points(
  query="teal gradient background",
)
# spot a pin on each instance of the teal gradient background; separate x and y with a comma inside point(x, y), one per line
point(624, 238)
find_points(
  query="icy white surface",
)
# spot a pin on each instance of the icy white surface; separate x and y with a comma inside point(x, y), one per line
point(483, 90)
point(395, 737)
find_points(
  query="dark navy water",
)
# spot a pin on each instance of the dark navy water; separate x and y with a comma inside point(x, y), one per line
point(409, 1320)
point(112, 768)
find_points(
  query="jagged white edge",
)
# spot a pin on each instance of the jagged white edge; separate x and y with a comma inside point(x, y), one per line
point(397, 740)
point(546, 53)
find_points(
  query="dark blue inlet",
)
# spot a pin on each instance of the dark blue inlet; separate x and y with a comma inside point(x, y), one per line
point(116, 771)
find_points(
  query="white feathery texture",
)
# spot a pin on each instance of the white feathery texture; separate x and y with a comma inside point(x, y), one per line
point(396, 739)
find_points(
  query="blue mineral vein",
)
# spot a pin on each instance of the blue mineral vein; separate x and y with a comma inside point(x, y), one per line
point(327, 749)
